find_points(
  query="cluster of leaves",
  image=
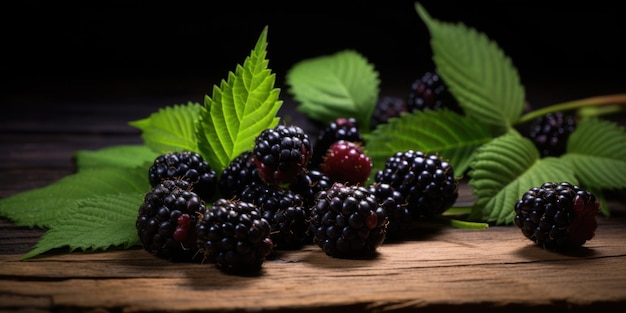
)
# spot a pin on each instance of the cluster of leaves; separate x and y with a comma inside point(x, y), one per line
point(483, 142)
point(96, 208)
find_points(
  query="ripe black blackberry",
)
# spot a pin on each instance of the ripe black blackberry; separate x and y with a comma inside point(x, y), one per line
point(386, 108)
point(166, 220)
point(400, 220)
point(308, 184)
point(239, 173)
point(340, 129)
point(280, 153)
point(348, 222)
point(186, 165)
point(425, 180)
point(429, 92)
point(557, 216)
point(233, 235)
point(550, 132)
point(285, 212)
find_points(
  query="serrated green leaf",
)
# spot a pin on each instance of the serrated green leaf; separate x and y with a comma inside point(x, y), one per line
point(240, 109)
point(478, 73)
point(41, 207)
point(94, 224)
point(340, 85)
point(128, 156)
point(171, 128)
point(503, 170)
point(452, 136)
point(597, 152)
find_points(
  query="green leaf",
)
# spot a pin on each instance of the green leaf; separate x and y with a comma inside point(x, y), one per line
point(597, 152)
point(171, 128)
point(340, 85)
point(94, 224)
point(127, 156)
point(41, 207)
point(478, 73)
point(239, 110)
point(450, 135)
point(506, 168)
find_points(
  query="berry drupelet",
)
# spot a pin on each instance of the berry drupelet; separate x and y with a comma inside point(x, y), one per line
point(348, 222)
point(233, 235)
point(186, 165)
point(426, 182)
point(166, 220)
point(281, 153)
point(557, 216)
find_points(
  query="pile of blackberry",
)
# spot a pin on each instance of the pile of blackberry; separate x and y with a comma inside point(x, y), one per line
point(557, 216)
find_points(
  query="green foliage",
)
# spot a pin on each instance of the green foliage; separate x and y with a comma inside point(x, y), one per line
point(171, 128)
point(127, 156)
point(42, 207)
point(452, 136)
point(94, 224)
point(340, 85)
point(503, 170)
point(241, 108)
point(479, 75)
point(597, 152)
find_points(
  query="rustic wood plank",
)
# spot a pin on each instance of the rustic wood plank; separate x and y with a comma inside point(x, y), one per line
point(492, 268)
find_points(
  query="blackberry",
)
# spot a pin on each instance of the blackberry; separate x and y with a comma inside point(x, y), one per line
point(280, 153)
point(166, 220)
point(346, 162)
point(348, 222)
point(186, 165)
point(285, 212)
point(557, 216)
point(426, 182)
point(308, 184)
point(233, 235)
point(398, 215)
point(340, 129)
point(429, 92)
point(386, 108)
point(239, 173)
point(550, 132)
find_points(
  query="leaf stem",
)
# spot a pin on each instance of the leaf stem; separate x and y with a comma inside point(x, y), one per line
point(614, 99)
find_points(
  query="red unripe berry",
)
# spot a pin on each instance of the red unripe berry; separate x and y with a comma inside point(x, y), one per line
point(346, 162)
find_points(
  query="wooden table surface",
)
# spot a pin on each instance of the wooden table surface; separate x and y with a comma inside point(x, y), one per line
point(442, 269)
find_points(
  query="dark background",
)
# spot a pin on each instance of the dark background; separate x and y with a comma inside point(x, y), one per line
point(118, 51)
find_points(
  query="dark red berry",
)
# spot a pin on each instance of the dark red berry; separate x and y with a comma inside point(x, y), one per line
point(346, 162)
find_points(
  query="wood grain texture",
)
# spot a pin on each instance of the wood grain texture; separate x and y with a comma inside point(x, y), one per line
point(492, 269)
